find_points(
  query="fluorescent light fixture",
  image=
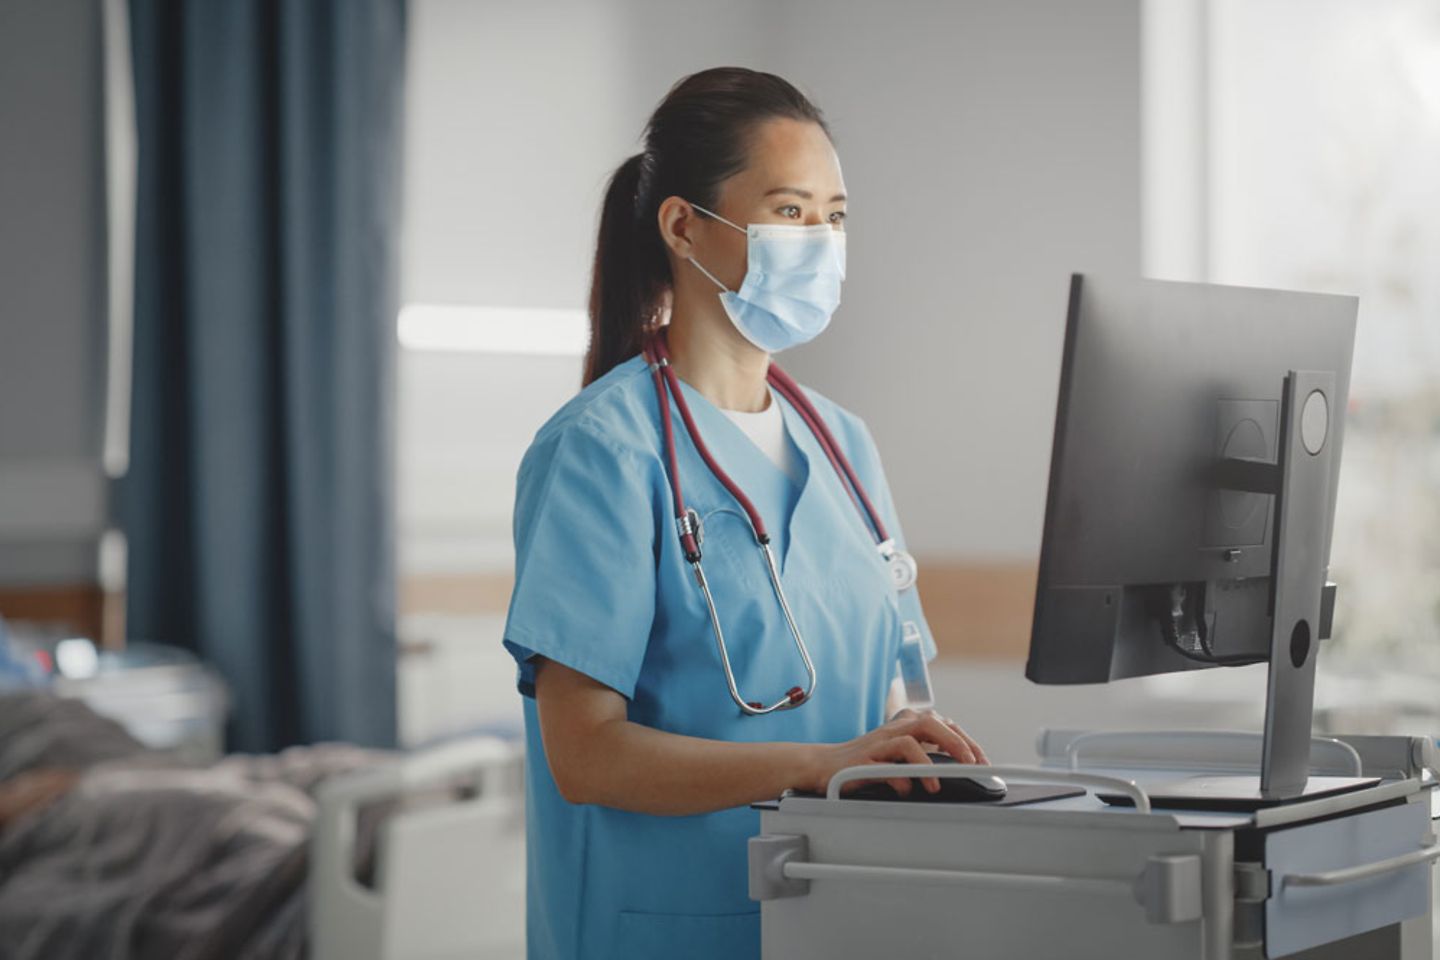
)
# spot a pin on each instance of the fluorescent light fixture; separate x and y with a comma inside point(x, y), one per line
point(454, 328)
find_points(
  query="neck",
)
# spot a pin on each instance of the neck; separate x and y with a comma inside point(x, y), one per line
point(712, 357)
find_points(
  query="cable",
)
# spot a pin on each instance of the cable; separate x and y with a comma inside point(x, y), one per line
point(1193, 643)
point(1227, 660)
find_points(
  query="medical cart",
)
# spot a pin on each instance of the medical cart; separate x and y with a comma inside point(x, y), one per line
point(1343, 876)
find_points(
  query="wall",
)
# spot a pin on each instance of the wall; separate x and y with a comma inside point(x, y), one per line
point(52, 263)
point(990, 150)
point(518, 114)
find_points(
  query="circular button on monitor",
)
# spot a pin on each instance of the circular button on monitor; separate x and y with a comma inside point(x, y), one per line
point(1314, 422)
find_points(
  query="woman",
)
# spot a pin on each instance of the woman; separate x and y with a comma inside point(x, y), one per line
point(643, 759)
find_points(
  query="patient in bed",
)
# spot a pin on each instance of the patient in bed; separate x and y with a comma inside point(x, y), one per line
point(110, 849)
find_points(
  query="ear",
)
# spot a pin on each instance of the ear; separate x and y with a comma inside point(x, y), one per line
point(676, 218)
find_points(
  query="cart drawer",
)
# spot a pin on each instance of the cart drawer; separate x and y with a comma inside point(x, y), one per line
point(1342, 877)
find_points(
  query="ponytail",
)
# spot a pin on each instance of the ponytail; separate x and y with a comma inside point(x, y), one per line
point(696, 139)
point(626, 284)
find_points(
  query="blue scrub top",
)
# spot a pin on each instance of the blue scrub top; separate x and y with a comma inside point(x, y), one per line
point(602, 586)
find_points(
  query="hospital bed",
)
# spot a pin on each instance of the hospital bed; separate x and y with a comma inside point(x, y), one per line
point(449, 879)
point(111, 847)
point(1345, 876)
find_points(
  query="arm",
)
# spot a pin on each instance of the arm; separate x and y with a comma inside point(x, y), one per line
point(895, 698)
point(598, 756)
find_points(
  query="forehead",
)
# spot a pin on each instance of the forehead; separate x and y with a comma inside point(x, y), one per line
point(788, 153)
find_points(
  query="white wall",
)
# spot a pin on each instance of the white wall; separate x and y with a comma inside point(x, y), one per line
point(990, 149)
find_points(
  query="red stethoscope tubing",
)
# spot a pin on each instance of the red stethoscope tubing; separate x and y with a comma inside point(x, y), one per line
point(687, 522)
point(783, 382)
point(657, 354)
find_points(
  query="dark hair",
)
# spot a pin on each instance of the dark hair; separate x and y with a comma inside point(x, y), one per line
point(697, 137)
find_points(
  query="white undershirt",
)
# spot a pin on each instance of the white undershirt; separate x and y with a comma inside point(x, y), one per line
point(766, 430)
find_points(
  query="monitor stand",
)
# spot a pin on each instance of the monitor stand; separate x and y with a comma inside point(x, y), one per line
point(1300, 483)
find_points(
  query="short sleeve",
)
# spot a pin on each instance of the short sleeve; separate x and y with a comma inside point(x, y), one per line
point(585, 559)
point(873, 476)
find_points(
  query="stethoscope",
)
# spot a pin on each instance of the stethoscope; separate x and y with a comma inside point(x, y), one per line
point(687, 521)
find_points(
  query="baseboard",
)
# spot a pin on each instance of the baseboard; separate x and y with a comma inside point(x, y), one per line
point(77, 607)
point(977, 610)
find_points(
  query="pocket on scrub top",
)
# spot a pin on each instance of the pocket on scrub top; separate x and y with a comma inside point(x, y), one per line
point(643, 935)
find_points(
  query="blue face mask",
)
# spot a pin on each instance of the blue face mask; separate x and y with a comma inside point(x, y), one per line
point(792, 282)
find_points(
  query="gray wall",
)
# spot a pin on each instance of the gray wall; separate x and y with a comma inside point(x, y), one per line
point(52, 268)
point(517, 113)
point(989, 148)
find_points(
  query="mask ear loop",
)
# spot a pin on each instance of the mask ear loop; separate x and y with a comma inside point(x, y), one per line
point(712, 213)
point(708, 274)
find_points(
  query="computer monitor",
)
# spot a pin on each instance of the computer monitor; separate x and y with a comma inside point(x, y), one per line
point(1192, 488)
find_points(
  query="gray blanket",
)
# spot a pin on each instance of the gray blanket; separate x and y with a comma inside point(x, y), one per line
point(146, 858)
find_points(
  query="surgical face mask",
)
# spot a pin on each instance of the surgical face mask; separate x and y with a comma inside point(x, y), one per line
point(792, 282)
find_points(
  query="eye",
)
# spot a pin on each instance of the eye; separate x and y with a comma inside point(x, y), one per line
point(838, 216)
point(791, 210)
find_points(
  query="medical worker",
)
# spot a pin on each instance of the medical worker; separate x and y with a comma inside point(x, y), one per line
point(725, 238)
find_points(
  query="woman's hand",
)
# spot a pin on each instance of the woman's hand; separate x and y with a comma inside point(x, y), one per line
point(979, 752)
point(906, 738)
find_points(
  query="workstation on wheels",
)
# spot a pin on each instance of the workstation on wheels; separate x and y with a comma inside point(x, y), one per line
point(1188, 525)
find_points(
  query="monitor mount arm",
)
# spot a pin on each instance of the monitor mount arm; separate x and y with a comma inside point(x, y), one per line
point(1299, 480)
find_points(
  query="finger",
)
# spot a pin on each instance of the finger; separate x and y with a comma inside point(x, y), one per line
point(980, 755)
point(908, 750)
point(888, 750)
point(974, 744)
point(901, 785)
point(902, 717)
point(893, 751)
point(895, 754)
point(933, 728)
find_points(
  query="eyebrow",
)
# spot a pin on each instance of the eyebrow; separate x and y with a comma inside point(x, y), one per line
point(803, 194)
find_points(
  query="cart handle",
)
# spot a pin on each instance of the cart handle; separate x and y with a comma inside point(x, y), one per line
point(886, 771)
point(1334, 878)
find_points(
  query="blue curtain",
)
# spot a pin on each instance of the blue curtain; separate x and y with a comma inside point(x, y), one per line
point(258, 504)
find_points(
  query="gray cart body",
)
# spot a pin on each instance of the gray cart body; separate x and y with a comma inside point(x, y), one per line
point(1344, 876)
